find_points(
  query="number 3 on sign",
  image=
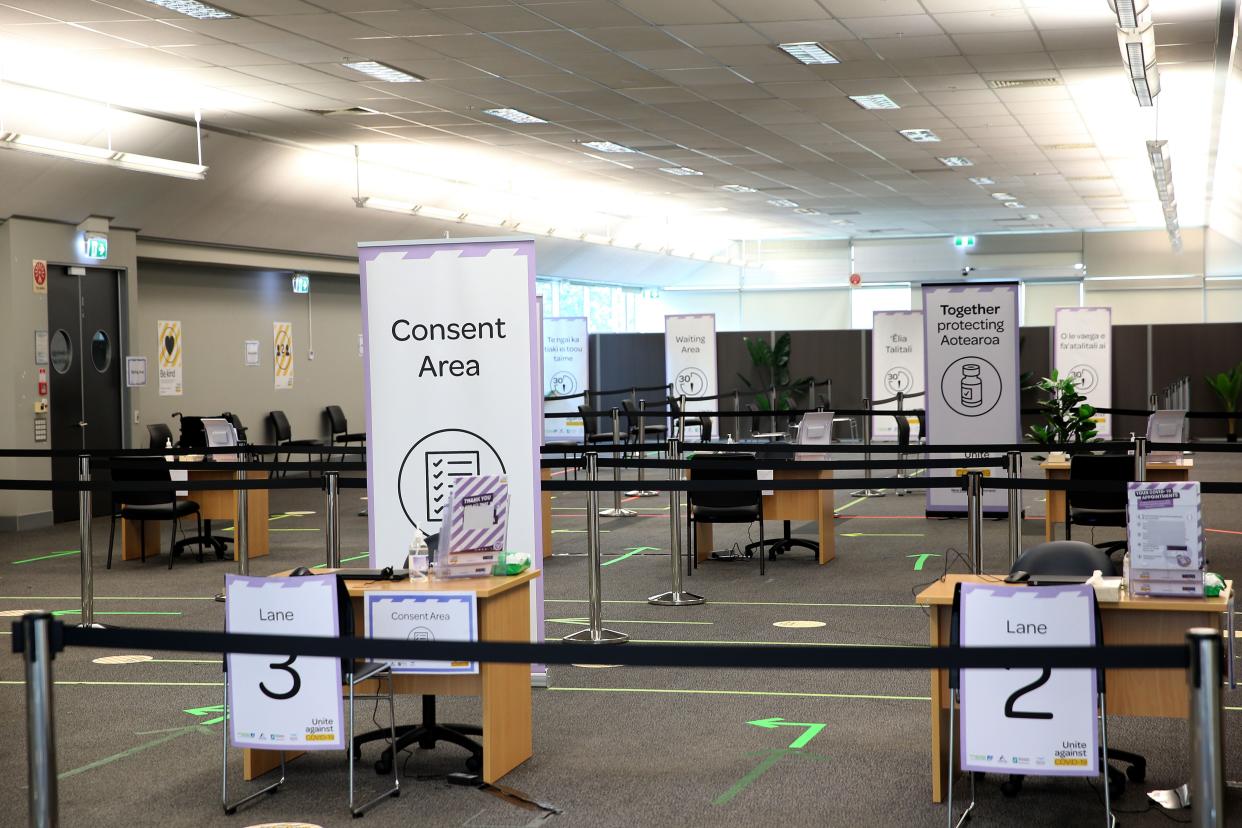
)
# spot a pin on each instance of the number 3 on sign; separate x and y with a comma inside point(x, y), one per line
point(286, 666)
point(1010, 713)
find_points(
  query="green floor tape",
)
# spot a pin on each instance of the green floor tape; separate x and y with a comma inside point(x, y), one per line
point(47, 557)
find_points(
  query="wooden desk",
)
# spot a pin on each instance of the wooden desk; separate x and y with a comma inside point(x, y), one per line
point(504, 615)
point(787, 504)
point(1132, 621)
point(1159, 471)
point(216, 504)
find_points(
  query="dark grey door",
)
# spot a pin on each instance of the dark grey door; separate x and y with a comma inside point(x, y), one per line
point(86, 358)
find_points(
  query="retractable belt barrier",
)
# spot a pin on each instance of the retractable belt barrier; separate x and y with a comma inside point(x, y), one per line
point(164, 452)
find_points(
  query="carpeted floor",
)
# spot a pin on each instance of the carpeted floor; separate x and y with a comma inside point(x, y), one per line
point(614, 746)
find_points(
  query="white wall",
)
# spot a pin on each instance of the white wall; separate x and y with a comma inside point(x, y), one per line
point(1141, 307)
point(1040, 301)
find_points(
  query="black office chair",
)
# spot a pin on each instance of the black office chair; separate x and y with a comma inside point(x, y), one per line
point(724, 507)
point(159, 436)
point(144, 506)
point(338, 429)
point(704, 423)
point(1069, 557)
point(1098, 508)
point(590, 427)
point(651, 430)
point(284, 435)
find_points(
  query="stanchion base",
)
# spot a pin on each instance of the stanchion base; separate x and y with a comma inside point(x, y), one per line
point(641, 493)
point(606, 636)
point(867, 493)
point(1174, 799)
point(219, 599)
point(95, 626)
point(617, 513)
point(676, 599)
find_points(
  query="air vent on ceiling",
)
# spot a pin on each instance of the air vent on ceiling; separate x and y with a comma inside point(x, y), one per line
point(841, 213)
point(1063, 147)
point(1023, 83)
point(353, 110)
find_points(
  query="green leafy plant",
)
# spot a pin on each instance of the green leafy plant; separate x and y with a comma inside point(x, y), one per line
point(1068, 418)
point(1228, 386)
point(771, 364)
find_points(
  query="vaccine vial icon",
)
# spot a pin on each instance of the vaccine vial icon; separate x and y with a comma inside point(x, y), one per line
point(972, 386)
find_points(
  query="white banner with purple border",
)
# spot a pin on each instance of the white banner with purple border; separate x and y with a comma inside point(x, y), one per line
point(690, 361)
point(896, 366)
point(1082, 341)
point(279, 702)
point(1029, 721)
point(564, 374)
point(970, 336)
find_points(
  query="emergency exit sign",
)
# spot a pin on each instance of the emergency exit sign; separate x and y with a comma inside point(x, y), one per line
point(301, 283)
point(963, 241)
point(96, 246)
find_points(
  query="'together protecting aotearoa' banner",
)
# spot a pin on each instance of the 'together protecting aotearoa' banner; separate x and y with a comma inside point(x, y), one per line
point(452, 384)
point(564, 374)
point(690, 359)
point(1083, 342)
point(970, 336)
point(896, 366)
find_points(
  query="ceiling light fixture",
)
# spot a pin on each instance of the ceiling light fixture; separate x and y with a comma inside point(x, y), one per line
point(782, 202)
point(1138, 278)
point(919, 136)
point(382, 72)
point(193, 8)
point(807, 211)
point(738, 188)
point(809, 52)
point(1162, 175)
point(1002, 196)
point(1138, 53)
point(679, 171)
point(606, 146)
point(956, 161)
point(100, 155)
point(1015, 205)
point(874, 101)
point(1128, 12)
point(982, 181)
point(515, 115)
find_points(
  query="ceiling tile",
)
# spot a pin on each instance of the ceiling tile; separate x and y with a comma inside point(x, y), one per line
point(664, 13)
point(223, 55)
point(896, 25)
point(905, 48)
point(796, 31)
point(717, 34)
point(499, 19)
point(982, 22)
point(680, 58)
point(754, 11)
point(592, 14)
point(871, 8)
point(407, 22)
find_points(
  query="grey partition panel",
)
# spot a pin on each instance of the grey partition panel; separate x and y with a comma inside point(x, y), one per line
point(1129, 377)
point(1034, 362)
point(835, 355)
point(732, 359)
point(620, 360)
point(1195, 351)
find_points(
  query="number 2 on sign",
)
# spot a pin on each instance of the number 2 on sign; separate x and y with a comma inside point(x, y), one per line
point(297, 680)
point(1010, 713)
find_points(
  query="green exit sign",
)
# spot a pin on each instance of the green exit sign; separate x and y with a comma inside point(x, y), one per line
point(963, 241)
point(301, 283)
point(96, 246)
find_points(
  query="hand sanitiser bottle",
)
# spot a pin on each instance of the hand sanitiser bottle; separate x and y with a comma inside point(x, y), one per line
point(419, 562)
point(972, 386)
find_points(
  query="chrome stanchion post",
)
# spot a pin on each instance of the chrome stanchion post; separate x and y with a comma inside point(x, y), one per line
point(642, 454)
point(1153, 402)
point(974, 519)
point(332, 518)
point(616, 510)
point(1140, 458)
point(86, 557)
point(737, 413)
point(241, 528)
point(867, 491)
point(810, 395)
point(1207, 781)
point(37, 651)
point(681, 420)
point(675, 597)
point(595, 633)
point(1014, 469)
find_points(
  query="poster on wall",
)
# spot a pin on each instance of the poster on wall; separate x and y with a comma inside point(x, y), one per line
point(565, 374)
point(1029, 721)
point(452, 384)
point(970, 342)
point(896, 366)
point(38, 274)
point(282, 701)
point(170, 350)
point(690, 361)
point(282, 354)
point(1083, 342)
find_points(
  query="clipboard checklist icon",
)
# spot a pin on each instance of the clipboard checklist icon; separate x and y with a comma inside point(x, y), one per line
point(444, 469)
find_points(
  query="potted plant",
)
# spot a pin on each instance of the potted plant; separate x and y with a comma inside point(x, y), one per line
point(1067, 415)
point(771, 364)
point(1228, 386)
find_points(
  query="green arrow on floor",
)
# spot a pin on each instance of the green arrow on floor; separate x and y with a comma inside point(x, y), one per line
point(206, 711)
point(881, 534)
point(811, 730)
point(921, 558)
point(630, 551)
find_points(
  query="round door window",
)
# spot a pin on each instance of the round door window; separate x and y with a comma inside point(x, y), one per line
point(101, 351)
point(61, 352)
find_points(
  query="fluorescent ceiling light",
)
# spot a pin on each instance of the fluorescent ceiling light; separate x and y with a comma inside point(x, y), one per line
point(1015, 205)
point(1129, 12)
point(1138, 53)
point(1222, 278)
point(919, 136)
point(515, 115)
point(807, 211)
point(1031, 216)
point(192, 8)
point(381, 72)
point(956, 161)
point(705, 288)
point(809, 52)
point(982, 181)
point(874, 101)
point(782, 202)
point(738, 188)
point(1138, 278)
point(606, 146)
point(679, 171)
point(1002, 196)
point(100, 155)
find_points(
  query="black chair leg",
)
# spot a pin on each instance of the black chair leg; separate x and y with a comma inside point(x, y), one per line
point(172, 542)
point(198, 518)
point(111, 536)
point(762, 548)
point(142, 541)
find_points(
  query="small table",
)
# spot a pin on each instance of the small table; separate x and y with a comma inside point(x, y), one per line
point(1158, 471)
point(1130, 621)
point(504, 615)
point(214, 504)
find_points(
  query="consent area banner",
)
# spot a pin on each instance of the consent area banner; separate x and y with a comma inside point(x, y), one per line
point(970, 336)
point(896, 366)
point(564, 374)
point(690, 360)
point(1083, 342)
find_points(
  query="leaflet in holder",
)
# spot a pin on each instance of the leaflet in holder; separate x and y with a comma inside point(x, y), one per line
point(476, 526)
point(220, 434)
point(814, 430)
point(1166, 427)
point(1164, 523)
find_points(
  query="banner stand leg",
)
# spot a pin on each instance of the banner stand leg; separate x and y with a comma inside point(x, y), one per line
point(241, 533)
point(595, 633)
point(868, 491)
point(642, 455)
point(230, 809)
point(675, 597)
point(616, 510)
point(953, 696)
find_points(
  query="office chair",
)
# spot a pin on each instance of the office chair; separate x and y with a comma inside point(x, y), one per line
point(904, 441)
point(1069, 557)
point(724, 507)
point(338, 429)
point(1098, 508)
point(144, 506)
point(284, 435)
point(652, 430)
point(159, 435)
point(590, 427)
point(704, 423)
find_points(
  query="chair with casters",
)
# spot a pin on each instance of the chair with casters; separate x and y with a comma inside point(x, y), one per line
point(156, 505)
point(1070, 557)
point(338, 429)
point(1098, 508)
point(284, 435)
point(724, 507)
point(704, 423)
point(159, 436)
